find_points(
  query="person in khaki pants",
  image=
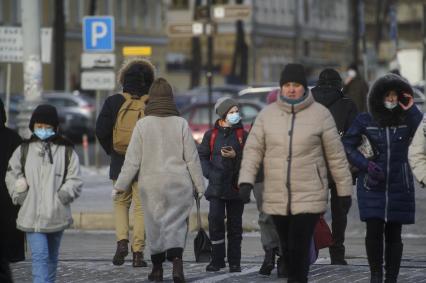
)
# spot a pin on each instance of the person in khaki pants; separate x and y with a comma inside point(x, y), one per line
point(136, 77)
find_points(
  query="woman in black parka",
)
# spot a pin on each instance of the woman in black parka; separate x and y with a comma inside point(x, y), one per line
point(220, 155)
point(385, 184)
point(12, 240)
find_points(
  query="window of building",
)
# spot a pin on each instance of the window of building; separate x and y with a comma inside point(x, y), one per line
point(179, 5)
point(81, 5)
point(16, 12)
point(1, 11)
point(306, 48)
point(306, 10)
point(121, 13)
point(67, 10)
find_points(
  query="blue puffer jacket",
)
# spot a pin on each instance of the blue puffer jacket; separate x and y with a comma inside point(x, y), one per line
point(390, 134)
point(221, 172)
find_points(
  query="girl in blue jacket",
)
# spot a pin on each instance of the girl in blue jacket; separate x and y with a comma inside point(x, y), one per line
point(385, 183)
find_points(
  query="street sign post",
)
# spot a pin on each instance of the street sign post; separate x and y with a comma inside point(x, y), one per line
point(185, 29)
point(231, 12)
point(137, 51)
point(98, 34)
point(98, 80)
point(97, 60)
point(12, 45)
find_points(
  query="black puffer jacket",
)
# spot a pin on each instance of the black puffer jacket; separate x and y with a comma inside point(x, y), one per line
point(222, 172)
point(342, 108)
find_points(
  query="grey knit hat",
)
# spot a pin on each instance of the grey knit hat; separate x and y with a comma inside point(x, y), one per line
point(223, 105)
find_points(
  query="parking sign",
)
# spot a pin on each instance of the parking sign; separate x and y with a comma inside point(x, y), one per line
point(98, 34)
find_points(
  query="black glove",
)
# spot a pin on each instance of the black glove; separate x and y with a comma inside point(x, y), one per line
point(345, 203)
point(245, 191)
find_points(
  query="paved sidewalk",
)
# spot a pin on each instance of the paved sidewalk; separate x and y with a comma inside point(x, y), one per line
point(86, 257)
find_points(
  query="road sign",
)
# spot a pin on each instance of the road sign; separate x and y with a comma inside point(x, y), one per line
point(231, 12)
point(98, 34)
point(12, 44)
point(98, 80)
point(137, 51)
point(97, 60)
point(185, 29)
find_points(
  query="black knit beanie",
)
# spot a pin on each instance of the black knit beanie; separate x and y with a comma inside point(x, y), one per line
point(330, 77)
point(294, 73)
point(45, 114)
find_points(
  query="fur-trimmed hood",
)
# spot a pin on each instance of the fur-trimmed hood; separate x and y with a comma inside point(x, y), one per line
point(378, 90)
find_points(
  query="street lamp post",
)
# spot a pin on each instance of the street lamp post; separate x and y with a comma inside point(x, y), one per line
point(32, 62)
point(209, 74)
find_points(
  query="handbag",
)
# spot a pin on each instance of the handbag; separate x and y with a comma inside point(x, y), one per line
point(202, 243)
point(322, 234)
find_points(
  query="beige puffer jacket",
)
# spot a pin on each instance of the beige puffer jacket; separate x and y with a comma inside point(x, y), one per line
point(295, 144)
point(417, 153)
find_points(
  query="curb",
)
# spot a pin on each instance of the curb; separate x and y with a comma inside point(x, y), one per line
point(105, 221)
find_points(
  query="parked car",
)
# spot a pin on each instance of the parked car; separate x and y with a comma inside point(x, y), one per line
point(197, 116)
point(76, 113)
point(256, 93)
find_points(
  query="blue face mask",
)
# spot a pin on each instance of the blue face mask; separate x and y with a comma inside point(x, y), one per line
point(233, 118)
point(43, 133)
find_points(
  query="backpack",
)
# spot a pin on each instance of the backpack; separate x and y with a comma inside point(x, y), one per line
point(24, 153)
point(215, 131)
point(130, 112)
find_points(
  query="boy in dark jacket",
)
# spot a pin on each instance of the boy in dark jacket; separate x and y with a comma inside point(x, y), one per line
point(328, 93)
point(220, 154)
point(136, 77)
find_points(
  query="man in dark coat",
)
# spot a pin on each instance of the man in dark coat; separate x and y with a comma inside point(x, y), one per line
point(328, 93)
point(11, 239)
point(136, 77)
point(356, 88)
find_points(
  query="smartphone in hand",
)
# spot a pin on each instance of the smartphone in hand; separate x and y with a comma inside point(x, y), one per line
point(227, 148)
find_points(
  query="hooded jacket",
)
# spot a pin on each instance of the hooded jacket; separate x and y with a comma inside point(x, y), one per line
point(390, 133)
point(295, 142)
point(45, 206)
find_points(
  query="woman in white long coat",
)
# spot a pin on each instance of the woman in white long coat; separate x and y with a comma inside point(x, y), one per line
point(163, 153)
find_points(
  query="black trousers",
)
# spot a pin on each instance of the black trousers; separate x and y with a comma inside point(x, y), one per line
point(339, 222)
point(376, 228)
point(170, 254)
point(295, 232)
point(232, 210)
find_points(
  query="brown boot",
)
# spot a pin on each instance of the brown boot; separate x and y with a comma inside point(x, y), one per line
point(178, 276)
point(156, 274)
point(138, 260)
point(121, 252)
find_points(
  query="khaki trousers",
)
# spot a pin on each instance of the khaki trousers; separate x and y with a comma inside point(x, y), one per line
point(122, 205)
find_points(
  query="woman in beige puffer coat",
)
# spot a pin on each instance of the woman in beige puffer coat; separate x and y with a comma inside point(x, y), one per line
point(295, 138)
point(417, 153)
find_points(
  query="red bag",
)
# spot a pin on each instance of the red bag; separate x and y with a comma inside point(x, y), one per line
point(322, 234)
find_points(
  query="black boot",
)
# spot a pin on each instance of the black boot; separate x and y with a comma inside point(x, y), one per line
point(178, 276)
point(337, 255)
point(218, 258)
point(156, 274)
point(121, 252)
point(393, 254)
point(268, 262)
point(375, 259)
point(282, 271)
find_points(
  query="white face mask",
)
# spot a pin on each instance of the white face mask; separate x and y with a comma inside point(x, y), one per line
point(390, 105)
point(351, 73)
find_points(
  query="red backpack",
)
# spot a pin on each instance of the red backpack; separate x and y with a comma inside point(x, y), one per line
point(215, 131)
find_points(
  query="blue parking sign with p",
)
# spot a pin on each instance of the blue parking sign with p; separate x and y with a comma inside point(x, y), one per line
point(98, 34)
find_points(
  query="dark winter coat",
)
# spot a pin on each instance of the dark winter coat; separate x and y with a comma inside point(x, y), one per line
point(11, 238)
point(104, 128)
point(357, 90)
point(104, 131)
point(221, 172)
point(390, 133)
point(342, 108)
